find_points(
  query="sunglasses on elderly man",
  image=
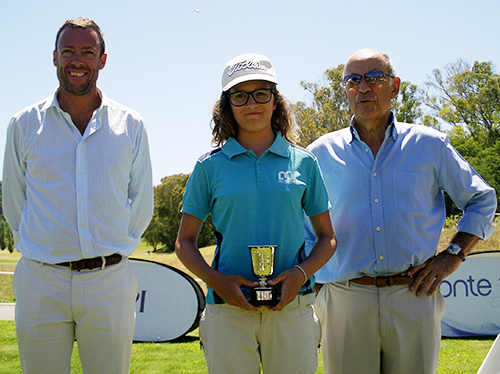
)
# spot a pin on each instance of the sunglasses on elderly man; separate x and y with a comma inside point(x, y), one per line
point(372, 77)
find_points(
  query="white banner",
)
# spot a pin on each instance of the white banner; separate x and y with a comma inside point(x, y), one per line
point(169, 302)
point(472, 296)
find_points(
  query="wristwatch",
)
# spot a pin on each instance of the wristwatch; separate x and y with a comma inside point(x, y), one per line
point(455, 250)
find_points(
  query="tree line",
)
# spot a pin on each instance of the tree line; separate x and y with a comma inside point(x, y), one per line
point(461, 99)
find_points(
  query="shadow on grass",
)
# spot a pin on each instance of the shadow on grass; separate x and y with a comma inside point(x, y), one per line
point(491, 337)
point(181, 339)
point(185, 339)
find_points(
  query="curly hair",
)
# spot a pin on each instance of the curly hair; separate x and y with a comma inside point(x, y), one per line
point(225, 125)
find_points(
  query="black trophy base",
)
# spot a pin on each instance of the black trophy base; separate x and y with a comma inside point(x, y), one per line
point(264, 296)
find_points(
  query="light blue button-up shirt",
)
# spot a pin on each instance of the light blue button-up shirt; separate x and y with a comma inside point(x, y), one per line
point(388, 211)
point(69, 196)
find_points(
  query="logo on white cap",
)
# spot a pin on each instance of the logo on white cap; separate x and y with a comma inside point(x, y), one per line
point(247, 64)
point(247, 67)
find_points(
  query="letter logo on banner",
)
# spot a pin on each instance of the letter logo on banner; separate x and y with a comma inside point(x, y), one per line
point(141, 297)
point(481, 288)
point(169, 302)
point(472, 296)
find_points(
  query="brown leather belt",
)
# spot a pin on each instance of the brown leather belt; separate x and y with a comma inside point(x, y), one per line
point(92, 263)
point(383, 281)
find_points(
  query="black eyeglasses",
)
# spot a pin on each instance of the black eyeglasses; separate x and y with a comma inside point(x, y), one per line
point(371, 77)
point(262, 96)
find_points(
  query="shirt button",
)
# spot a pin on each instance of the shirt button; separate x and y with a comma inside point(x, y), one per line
point(260, 172)
point(378, 229)
point(381, 257)
point(374, 173)
point(367, 149)
point(259, 162)
point(87, 250)
point(83, 224)
point(376, 201)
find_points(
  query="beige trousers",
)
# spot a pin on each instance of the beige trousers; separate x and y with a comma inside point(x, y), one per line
point(238, 341)
point(385, 330)
point(55, 305)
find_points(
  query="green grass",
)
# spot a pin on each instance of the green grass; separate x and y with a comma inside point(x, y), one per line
point(6, 292)
point(463, 356)
point(8, 263)
point(457, 356)
point(183, 356)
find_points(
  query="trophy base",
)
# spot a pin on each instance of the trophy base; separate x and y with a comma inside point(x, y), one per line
point(264, 296)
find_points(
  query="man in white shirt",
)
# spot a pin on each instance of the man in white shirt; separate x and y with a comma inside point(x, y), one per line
point(77, 194)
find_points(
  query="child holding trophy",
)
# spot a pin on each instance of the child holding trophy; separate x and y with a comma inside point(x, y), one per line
point(256, 185)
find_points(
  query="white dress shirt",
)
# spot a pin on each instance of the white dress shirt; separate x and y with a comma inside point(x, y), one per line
point(68, 196)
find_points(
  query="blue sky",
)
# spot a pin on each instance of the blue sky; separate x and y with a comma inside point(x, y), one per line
point(165, 60)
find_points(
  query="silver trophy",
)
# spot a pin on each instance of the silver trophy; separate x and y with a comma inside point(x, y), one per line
point(263, 267)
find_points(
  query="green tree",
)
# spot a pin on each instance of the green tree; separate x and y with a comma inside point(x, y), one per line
point(328, 110)
point(406, 106)
point(484, 158)
point(467, 96)
point(162, 231)
point(6, 238)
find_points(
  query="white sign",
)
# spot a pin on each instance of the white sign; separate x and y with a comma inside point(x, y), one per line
point(169, 302)
point(472, 295)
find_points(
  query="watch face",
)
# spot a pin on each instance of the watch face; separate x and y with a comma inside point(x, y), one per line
point(453, 248)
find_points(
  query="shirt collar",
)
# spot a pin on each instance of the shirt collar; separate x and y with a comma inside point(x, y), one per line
point(279, 147)
point(391, 131)
point(95, 122)
point(105, 102)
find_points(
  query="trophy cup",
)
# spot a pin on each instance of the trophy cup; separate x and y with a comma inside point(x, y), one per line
point(263, 267)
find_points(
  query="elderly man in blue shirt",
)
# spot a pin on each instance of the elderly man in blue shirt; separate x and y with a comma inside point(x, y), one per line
point(379, 302)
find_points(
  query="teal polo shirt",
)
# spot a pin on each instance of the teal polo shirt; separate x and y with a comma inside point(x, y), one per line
point(256, 201)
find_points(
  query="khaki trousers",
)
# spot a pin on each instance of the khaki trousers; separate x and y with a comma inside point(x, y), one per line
point(238, 341)
point(55, 305)
point(385, 330)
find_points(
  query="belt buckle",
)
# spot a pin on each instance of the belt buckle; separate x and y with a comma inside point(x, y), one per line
point(385, 281)
point(76, 265)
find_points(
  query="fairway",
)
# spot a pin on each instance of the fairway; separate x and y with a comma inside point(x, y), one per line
point(458, 356)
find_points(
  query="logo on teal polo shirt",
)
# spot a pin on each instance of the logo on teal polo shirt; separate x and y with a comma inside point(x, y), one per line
point(286, 177)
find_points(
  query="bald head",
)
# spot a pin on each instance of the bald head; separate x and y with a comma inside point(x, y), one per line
point(370, 99)
point(367, 54)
